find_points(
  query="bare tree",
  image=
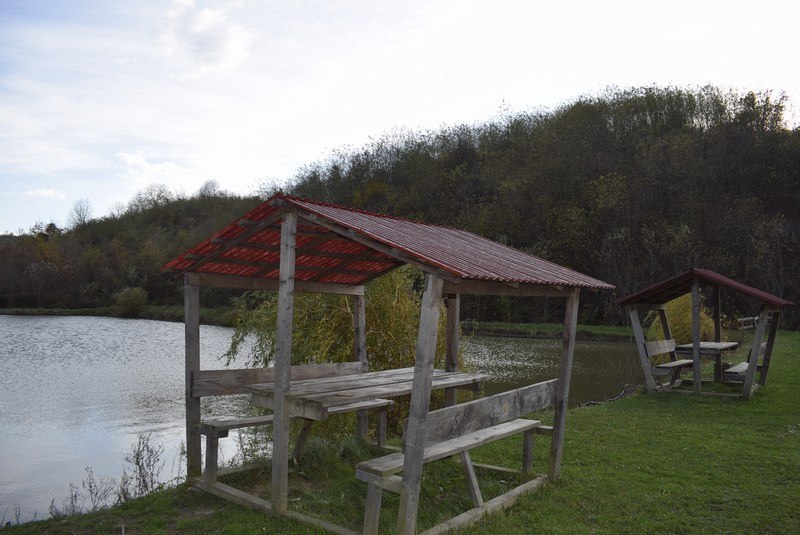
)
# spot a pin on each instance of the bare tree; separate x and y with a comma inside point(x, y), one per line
point(80, 215)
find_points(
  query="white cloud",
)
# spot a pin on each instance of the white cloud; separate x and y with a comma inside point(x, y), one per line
point(205, 37)
point(45, 192)
point(141, 170)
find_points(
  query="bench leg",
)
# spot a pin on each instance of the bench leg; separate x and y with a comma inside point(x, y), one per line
point(302, 438)
point(380, 427)
point(362, 424)
point(372, 512)
point(472, 480)
point(527, 452)
point(212, 457)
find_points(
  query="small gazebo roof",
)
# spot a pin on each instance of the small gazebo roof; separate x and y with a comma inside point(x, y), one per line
point(682, 284)
point(338, 245)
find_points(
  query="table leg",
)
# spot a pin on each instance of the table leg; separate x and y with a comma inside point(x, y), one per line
point(302, 437)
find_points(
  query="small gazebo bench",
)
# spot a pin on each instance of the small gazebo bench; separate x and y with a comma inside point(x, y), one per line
point(457, 429)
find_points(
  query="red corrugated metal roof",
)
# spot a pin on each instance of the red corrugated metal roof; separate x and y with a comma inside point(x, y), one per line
point(249, 246)
point(682, 284)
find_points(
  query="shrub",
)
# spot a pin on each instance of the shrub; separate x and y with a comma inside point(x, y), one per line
point(679, 316)
point(130, 302)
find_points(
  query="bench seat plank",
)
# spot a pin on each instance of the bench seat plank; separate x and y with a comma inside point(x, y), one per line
point(739, 368)
point(675, 364)
point(393, 463)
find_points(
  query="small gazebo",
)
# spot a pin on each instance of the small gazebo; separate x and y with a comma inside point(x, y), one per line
point(654, 297)
point(293, 245)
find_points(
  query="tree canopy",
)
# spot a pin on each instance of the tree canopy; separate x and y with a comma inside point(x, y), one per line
point(631, 187)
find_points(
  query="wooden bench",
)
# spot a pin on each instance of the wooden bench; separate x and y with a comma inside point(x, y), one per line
point(227, 382)
point(457, 429)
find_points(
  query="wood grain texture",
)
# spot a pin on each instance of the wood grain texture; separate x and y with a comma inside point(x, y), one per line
point(414, 438)
point(283, 359)
point(450, 422)
point(564, 379)
point(235, 381)
point(191, 299)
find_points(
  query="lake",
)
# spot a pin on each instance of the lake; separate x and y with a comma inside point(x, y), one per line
point(78, 391)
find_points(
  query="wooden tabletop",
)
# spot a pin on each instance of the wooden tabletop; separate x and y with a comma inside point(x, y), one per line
point(708, 347)
point(311, 398)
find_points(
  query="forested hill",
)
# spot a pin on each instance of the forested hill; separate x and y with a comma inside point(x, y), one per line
point(631, 187)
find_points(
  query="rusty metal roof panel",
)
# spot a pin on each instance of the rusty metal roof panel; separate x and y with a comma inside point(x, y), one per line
point(459, 252)
point(327, 250)
point(681, 284)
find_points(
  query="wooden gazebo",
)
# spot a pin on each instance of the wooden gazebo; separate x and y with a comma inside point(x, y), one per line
point(654, 297)
point(293, 245)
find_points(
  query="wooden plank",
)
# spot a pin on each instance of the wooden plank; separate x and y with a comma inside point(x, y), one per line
point(237, 282)
point(392, 483)
point(755, 350)
point(340, 382)
point(191, 304)
point(360, 353)
point(738, 369)
point(233, 495)
point(393, 462)
point(395, 389)
point(675, 364)
point(494, 505)
point(644, 361)
point(215, 426)
point(472, 287)
point(319, 523)
point(235, 381)
point(472, 480)
point(564, 376)
point(450, 422)
point(453, 335)
point(665, 329)
point(283, 360)
point(414, 439)
point(372, 509)
point(659, 347)
point(773, 331)
point(696, 369)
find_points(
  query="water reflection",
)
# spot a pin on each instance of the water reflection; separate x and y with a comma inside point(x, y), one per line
point(600, 369)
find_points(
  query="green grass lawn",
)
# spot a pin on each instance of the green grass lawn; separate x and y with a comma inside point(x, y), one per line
point(666, 463)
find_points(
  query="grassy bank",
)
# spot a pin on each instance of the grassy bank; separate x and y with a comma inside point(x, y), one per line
point(665, 463)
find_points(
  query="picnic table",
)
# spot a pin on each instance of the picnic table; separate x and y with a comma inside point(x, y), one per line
point(313, 399)
point(712, 349)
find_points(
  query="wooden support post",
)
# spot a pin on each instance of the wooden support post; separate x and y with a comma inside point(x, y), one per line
point(644, 360)
point(773, 332)
point(564, 376)
point(419, 405)
point(755, 350)
point(696, 370)
point(372, 512)
point(472, 480)
point(283, 369)
point(527, 452)
point(360, 342)
point(302, 437)
point(453, 341)
point(212, 458)
point(191, 301)
point(717, 298)
point(662, 316)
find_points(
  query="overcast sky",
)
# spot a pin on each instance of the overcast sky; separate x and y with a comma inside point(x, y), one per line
point(98, 99)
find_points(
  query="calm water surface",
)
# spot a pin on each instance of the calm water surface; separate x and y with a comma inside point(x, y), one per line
point(78, 391)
